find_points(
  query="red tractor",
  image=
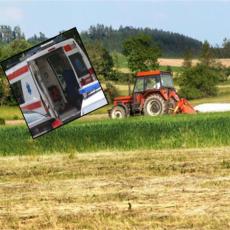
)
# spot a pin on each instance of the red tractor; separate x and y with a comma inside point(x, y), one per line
point(153, 94)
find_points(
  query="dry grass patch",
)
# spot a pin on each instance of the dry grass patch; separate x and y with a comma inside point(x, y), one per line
point(178, 189)
point(179, 61)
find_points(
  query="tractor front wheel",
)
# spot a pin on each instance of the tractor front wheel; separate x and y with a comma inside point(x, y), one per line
point(155, 105)
point(117, 112)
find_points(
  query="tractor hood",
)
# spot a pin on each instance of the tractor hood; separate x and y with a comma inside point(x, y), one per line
point(123, 98)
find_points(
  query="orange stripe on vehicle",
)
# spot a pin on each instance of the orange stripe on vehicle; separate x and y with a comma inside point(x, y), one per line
point(18, 72)
point(32, 106)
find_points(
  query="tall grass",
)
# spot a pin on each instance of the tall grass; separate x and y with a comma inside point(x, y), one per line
point(181, 131)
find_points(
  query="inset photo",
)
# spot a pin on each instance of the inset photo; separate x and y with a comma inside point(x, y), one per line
point(54, 82)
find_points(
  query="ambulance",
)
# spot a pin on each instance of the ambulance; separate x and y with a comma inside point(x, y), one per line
point(54, 80)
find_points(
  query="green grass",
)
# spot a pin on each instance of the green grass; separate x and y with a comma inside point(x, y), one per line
point(221, 98)
point(2, 121)
point(119, 60)
point(10, 113)
point(167, 132)
point(14, 113)
point(174, 68)
point(103, 110)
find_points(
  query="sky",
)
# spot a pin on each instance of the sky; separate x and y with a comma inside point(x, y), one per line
point(203, 20)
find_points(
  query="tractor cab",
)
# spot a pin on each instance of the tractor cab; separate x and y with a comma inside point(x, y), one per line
point(153, 94)
point(153, 80)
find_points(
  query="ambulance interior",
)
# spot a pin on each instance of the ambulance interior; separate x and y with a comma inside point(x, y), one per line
point(58, 84)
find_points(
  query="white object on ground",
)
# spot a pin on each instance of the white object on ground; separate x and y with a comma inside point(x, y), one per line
point(93, 102)
point(212, 107)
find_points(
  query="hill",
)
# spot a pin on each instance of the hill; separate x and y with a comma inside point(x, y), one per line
point(171, 44)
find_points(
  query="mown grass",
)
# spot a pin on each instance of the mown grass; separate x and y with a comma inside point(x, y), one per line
point(166, 132)
point(143, 189)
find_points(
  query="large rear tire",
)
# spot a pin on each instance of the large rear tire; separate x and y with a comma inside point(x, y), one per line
point(118, 112)
point(155, 105)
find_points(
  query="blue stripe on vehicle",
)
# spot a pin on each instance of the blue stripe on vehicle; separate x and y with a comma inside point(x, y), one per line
point(90, 88)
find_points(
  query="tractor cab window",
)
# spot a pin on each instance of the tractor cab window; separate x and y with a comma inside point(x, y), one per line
point(167, 81)
point(152, 83)
point(139, 86)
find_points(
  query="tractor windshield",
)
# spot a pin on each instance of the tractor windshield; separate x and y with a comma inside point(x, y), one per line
point(167, 81)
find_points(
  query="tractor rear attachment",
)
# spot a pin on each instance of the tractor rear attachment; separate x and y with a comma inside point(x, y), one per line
point(184, 106)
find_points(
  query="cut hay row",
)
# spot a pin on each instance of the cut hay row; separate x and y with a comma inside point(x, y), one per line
point(164, 189)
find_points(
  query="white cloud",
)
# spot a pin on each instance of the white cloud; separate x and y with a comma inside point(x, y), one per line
point(12, 13)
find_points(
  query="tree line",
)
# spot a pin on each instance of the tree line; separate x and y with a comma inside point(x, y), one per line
point(171, 44)
point(142, 53)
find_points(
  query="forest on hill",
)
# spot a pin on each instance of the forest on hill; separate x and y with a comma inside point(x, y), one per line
point(171, 44)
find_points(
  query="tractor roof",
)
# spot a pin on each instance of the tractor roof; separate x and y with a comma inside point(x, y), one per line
point(150, 73)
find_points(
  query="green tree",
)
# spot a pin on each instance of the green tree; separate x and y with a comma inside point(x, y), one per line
point(5, 93)
point(111, 91)
point(207, 57)
point(187, 63)
point(142, 53)
point(198, 81)
point(6, 51)
point(101, 60)
point(13, 48)
point(226, 48)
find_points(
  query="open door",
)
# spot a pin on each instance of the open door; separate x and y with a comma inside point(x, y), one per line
point(41, 88)
point(55, 77)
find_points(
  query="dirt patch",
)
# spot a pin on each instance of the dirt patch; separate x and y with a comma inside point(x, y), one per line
point(15, 122)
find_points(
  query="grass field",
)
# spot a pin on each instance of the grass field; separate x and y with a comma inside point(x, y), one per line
point(14, 113)
point(10, 112)
point(166, 189)
point(166, 132)
point(169, 172)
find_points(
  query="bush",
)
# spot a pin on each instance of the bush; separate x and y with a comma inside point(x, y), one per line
point(111, 91)
point(197, 82)
point(2, 121)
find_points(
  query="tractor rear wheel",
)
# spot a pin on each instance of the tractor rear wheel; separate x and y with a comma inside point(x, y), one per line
point(118, 112)
point(155, 105)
